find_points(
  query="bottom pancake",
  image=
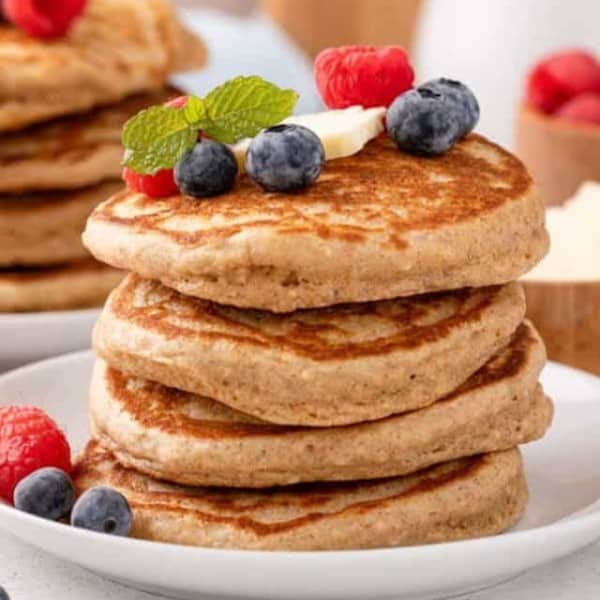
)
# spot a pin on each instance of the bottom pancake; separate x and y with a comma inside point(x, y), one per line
point(193, 440)
point(468, 498)
point(81, 284)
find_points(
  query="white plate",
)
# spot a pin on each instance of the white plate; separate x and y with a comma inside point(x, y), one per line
point(563, 516)
point(27, 337)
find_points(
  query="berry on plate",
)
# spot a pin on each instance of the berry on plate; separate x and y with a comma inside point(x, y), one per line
point(562, 76)
point(3, 594)
point(362, 75)
point(285, 158)
point(178, 102)
point(29, 440)
point(103, 510)
point(160, 185)
point(209, 169)
point(46, 493)
point(433, 117)
point(582, 109)
point(43, 18)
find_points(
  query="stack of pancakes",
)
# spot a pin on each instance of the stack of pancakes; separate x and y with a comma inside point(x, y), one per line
point(62, 107)
point(347, 367)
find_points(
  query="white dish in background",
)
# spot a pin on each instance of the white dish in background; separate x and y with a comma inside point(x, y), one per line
point(28, 337)
point(563, 516)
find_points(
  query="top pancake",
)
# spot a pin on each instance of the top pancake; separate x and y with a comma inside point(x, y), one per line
point(376, 225)
point(118, 48)
point(71, 152)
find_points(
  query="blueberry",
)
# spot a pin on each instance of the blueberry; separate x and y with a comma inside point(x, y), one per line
point(463, 97)
point(209, 169)
point(3, 594)
point(285, 158)
point(103, 510)
point(46, 493)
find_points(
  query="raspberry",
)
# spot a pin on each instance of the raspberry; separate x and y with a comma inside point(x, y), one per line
point(43, 18)
point(160, 185)
point(584, 109)
point(178, 102)
point(363, 75)
point(29, 440)
point(561, 77)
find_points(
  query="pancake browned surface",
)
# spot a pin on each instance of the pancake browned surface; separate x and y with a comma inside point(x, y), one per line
point(80, 284)
point(192, 440)
point(468, 498)
point(329, 366)
point(376, 225)
point(45, 228)
point(118, 48)
point(71, 152)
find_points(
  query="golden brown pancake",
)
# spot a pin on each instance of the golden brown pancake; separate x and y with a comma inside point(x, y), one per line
point(118, 48)
point(80, 284)
point(329, 366)
point(70, 152)
point(376, 225)
point(473, 497)
point(192, 440)
point(45, 228)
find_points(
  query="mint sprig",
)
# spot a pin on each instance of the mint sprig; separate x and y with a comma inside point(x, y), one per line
point(156, 138)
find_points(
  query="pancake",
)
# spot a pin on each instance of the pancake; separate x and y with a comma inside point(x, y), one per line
point(376, 225)
point(45, 228)
point(80, 284)
point(323, 367)
point(118, 48)
point(192, 440)
point(468, 498)
point(71, 152)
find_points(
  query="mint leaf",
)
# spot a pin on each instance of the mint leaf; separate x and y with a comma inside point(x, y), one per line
point(156, 138)
point(243, 106)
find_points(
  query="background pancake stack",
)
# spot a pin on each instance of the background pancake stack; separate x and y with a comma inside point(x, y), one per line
point(60, 150)
point(348, 367)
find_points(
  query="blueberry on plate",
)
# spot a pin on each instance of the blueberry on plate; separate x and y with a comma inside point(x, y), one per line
point(46, 493)
point(103, 510)
point(209, 169)
point(424, 122)
point(3, 594)
point(463, 97)
point(285, 158)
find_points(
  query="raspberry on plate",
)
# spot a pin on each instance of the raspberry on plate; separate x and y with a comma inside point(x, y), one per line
point(160, 185)
point(582, 109)
point(362, 75)
point(43, 18)
point(29, 440)
point(562, 76)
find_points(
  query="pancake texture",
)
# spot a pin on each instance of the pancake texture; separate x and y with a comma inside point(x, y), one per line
point(45, 228)
point(80, 284)
point(332, 366)
point(118, 48)
point(71, 152)
point(376, 225)
point(468, 498)
point(192, 440)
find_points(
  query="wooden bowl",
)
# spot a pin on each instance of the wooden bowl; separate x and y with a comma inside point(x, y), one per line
point(567, 314)
point(559, 154)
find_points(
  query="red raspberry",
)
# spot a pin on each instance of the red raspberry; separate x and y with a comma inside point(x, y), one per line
point(561, 77)
point(178, 102)
point(160, 185)
point(583, 109)
point(29, 440)
point(43, 18)
point(363, 75)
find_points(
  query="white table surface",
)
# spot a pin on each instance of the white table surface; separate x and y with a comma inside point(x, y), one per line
point(29, 575)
